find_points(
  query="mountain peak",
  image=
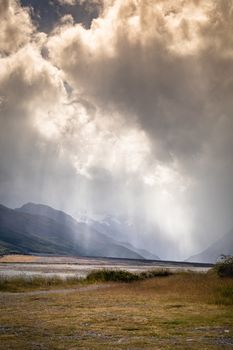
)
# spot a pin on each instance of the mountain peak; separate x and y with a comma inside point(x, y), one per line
point(44, 210)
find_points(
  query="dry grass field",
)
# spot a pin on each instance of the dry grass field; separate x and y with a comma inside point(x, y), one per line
point(181, 311)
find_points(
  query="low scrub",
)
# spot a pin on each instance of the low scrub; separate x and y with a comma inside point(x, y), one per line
point(155, 273)
point(20, 283)
point(124, 276)
point(224, 268)
point(112, 275)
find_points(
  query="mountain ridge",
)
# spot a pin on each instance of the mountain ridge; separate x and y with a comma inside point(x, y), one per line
point(25, 231)
point(112, 228)
point(223, 245)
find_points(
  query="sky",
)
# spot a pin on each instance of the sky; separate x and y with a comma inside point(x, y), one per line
point(124, 108)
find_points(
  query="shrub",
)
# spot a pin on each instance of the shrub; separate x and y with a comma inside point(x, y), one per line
point(155, 273)
point(112, 275)
point(224, 268)
point(124, 276)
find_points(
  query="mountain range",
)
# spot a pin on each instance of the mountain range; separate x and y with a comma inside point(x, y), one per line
point(40, 229)
point(223, 246)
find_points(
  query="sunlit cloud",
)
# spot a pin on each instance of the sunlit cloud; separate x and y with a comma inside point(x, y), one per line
point(133, 111)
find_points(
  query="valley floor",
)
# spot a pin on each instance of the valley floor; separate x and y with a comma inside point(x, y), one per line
point(181, 311)
point(31, 265)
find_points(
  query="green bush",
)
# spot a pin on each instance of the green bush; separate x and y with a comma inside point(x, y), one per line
point(124, 276)
point(112, 275)
point(154, 273)
point(225, 268)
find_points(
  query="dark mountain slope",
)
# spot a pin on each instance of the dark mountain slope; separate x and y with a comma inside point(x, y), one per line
point(27, 233)
point(45, 210)
point(41, 229)
point(110, 231)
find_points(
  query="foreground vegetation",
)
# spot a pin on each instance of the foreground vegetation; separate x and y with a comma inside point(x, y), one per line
point(182, 311)
point(24, 283)
point(224, 268)
point(124, 276)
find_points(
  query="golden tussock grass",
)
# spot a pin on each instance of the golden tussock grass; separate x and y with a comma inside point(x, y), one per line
point(182, 311)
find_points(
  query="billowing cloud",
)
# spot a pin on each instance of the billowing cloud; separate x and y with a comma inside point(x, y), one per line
point(135, 110)
point(16, 26)
point(138, 59)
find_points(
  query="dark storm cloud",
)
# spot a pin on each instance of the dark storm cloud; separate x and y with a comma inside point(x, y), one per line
point(47, 13)
point(161, 91)
point(176, 97)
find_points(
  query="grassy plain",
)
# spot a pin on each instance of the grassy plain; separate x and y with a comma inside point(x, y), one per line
point(181, 311)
